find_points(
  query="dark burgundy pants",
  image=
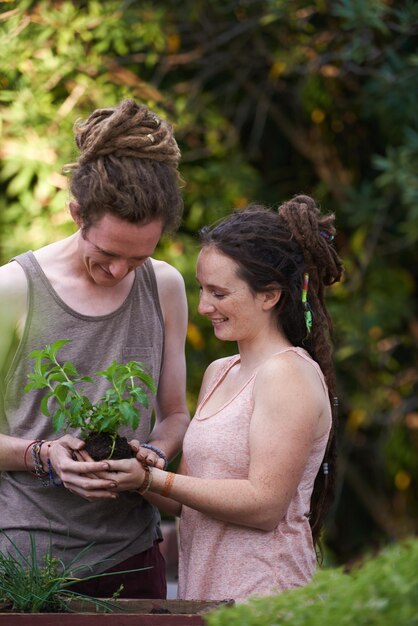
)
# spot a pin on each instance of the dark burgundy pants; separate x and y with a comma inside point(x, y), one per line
point(149, 583)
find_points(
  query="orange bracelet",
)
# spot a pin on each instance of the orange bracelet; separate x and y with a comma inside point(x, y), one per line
point(168, 484)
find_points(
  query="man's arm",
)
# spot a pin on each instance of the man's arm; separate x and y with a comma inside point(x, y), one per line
point(172, 416)
point(15, 452)
point(13, 307)
point(13, 310)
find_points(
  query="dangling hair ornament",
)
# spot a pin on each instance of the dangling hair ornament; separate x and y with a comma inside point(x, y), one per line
point(306, 306)
point(325, 235)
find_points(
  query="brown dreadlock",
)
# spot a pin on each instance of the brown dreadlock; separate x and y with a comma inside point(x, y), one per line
point(127, 166)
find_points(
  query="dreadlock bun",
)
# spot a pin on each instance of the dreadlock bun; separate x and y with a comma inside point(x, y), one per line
point(129, 130)
point(313, 233)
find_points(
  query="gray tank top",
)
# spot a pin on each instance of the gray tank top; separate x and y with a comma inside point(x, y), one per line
point(135, 331)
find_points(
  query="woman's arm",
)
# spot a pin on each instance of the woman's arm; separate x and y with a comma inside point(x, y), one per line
point(168, 505)
point(290, 411)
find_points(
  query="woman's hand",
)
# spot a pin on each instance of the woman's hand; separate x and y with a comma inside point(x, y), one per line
point(125, 474)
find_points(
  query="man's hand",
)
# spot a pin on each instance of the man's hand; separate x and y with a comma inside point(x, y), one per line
point(79, 477)
point(145, 455)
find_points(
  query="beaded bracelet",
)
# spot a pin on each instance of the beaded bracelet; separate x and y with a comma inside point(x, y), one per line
point(157, 451)
point(146, 483)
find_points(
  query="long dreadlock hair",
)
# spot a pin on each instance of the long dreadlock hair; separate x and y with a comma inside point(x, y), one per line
point(279, 247)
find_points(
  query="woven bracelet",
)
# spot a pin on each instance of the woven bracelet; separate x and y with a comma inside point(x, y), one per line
point(157, 451)
point(40, 473)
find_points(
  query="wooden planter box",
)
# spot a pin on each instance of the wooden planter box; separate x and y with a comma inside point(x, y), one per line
point(127, 613)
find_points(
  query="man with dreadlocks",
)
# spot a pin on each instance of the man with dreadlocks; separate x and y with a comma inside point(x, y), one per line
point(101, 289)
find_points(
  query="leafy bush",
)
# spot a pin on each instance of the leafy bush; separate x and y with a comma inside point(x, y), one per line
point(383, 591)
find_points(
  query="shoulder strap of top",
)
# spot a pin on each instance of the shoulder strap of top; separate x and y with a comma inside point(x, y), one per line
point(307, 357)
point(219, 375)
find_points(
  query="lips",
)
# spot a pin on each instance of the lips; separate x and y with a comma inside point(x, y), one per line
point(219, 321)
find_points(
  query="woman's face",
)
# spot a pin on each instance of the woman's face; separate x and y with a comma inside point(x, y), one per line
point(235, 312)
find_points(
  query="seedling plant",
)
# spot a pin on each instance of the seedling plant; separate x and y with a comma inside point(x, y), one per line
point(119, 406)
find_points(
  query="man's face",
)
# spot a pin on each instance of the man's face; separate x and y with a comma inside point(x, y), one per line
point(113, 247)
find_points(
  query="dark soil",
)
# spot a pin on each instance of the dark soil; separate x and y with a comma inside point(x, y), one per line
point(99, 446)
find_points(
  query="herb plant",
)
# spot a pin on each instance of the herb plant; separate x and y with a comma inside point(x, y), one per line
point(117, 407)
point(42, 583)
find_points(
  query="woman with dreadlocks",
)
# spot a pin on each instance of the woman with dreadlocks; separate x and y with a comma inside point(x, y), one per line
point(258, 463)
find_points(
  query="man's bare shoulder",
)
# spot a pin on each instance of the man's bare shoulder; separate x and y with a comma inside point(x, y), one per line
point(13, 280)
point(13, 303)
point(169, 280)
point(166, 272)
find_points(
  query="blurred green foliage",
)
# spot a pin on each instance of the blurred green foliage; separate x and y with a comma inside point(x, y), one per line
point(383, 591)
point(268, 99)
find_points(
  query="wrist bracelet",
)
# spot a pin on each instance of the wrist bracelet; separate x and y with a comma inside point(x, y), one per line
point(25, 455)
point(52, 479)
point(157, 451)
point(147, 482)
point(37, 463)
point(168, 484)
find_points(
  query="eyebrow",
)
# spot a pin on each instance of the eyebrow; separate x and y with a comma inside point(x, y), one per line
point(137, 258)
point(212, 286)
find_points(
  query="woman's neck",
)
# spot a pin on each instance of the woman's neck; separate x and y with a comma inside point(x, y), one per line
point(254, 353)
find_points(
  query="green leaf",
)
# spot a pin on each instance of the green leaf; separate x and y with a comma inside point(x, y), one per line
point(35, 354)
point(57, 377)
point(146, 378)
point(53, 348)
point(140, 396)
point(44, 405)
point(61, 392)
point(130, 415)
point(109, 371)
point(70, 369)
point(127, 410)
point(38, 381)
point(58, 420)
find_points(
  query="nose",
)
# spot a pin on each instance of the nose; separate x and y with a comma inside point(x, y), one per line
point(119, 268)
point(205, 307)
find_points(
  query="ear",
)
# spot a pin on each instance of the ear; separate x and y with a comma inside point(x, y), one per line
point(271, 297)
point(75, 213)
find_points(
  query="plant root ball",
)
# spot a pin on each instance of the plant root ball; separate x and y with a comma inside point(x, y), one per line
point(99, 447)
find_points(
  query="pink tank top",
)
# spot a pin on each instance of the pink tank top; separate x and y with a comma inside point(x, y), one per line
point(219, 560)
